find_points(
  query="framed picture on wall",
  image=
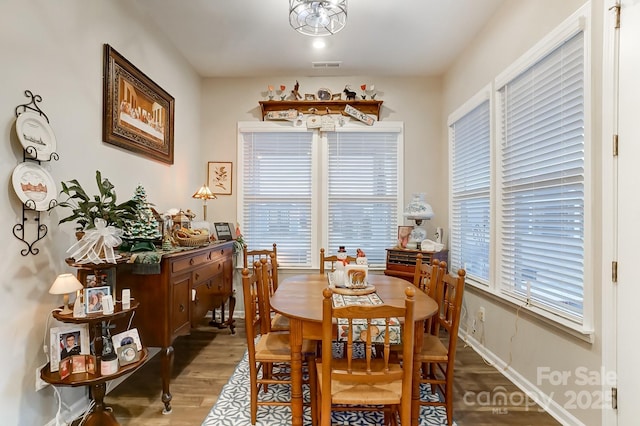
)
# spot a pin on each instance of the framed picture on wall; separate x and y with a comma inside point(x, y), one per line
point(137, 114)
point(219, 177)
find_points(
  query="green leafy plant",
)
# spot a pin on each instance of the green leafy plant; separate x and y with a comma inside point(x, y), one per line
point(85, 208)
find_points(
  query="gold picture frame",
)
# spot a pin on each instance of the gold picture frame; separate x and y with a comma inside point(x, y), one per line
point(137, 114)
point(220, 177)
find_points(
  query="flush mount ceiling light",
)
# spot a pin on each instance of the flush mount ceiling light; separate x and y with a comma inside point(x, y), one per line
point(318, 18)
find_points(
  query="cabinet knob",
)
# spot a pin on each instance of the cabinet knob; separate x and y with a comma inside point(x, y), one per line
point(197, 276)
point(219, 266)
point(181, 308)
point(192, 261)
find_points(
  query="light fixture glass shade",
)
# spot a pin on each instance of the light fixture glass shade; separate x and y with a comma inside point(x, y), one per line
point(418, 209)
point(204, 193)
point(65, 284)
point(318, 18)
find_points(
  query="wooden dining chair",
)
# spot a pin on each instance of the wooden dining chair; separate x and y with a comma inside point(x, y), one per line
point(265, 350)
point(364, 383)
point(250, 256)
point(438, 352)
point(276, 321)
point(332, 261)
point(427, 277)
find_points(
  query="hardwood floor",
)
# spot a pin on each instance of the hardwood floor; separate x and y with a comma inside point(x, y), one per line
point(206, 359)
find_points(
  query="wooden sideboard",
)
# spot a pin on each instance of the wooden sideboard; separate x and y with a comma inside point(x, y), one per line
point(402, 262)
point(190, 284)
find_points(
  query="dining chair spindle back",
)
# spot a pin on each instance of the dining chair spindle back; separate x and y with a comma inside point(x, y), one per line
point(332, 260)
point(351, 383)
point(437, 356)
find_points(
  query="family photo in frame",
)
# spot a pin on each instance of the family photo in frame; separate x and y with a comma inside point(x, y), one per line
point(93, 298)
point(66, 341)
point(404, 234)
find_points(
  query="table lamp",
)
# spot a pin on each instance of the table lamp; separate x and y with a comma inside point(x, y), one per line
point(204, 193)
point(65, 284)
point(418, 209)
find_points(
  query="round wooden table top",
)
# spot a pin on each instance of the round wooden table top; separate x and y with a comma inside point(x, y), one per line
point(300, 296)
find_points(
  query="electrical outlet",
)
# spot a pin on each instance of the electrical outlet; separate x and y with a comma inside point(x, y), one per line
point(474, 326)
point(40, 384)
point(481, 314)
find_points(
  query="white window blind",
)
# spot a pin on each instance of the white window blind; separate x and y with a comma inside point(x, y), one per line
point(362, 193)
point(308, 189)
point(542, 197)
point(470, 192)
point(277, 194)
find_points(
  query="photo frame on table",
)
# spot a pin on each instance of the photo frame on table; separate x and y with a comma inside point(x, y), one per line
point(137, 114)
point(58, 338)
point(220, 177)
point(93, 298)
point(404, 234)
point(129, 337)
point(99, 278)
point(224, 231)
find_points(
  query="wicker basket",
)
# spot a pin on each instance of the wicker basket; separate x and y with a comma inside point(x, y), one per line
point(193, 241)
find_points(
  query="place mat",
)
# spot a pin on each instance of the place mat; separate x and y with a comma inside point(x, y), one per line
point(359, 328)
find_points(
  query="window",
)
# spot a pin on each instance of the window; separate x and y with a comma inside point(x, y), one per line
point(307, 189)
point(470, 192)
point(542, 150)
point(528, 180)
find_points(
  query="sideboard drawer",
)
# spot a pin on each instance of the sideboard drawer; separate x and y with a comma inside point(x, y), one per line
point(190, 262)
point(206, 272)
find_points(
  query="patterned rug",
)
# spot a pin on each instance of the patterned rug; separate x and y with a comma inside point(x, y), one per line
point(232, 407)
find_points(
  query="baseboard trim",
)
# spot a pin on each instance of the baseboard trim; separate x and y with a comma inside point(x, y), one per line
point(544, 400)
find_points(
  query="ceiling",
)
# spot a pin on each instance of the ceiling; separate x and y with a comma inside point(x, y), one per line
point(248, 38)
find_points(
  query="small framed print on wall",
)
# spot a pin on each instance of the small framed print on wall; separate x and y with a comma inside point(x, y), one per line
point(219, 177)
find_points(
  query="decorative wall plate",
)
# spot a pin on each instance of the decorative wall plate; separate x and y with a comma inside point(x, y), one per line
point(34, 131)
point(34, 186)
point(324, 94)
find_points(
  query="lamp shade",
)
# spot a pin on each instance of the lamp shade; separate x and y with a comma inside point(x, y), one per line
point(65, 284)
point(318, 17)
point(418, 208)
point(204, 193)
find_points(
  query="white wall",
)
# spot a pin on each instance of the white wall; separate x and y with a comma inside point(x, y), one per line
point(517, 27)
point(415, 101)
point(55, 49)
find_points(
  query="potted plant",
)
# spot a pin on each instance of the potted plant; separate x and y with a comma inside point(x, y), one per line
point(86, 208)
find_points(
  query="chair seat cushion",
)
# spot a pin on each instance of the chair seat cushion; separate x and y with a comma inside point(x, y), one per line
point(351, 393)
point(433, 349)
point(275, 347)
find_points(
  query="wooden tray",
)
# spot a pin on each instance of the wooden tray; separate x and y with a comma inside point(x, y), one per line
point(353, 291)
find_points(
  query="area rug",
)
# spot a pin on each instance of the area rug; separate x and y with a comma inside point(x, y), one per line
point(232, 406)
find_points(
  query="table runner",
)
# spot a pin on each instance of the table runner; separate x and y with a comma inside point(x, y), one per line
point(360, 325)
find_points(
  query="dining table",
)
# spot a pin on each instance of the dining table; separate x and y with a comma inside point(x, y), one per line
point(299, 298)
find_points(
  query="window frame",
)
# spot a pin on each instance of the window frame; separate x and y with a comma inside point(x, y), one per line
point(319, 154)
point(579, 21)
